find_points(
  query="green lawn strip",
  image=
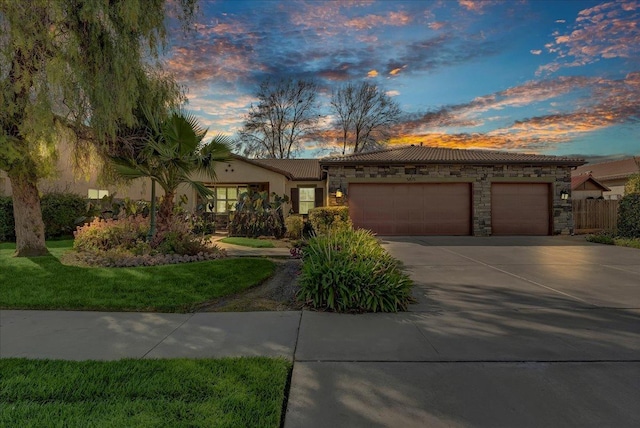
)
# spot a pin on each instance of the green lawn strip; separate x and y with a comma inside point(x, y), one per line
point(151, 393)
point(248, 242)
point(45, 283)
point(610, 240)
point(627, 242)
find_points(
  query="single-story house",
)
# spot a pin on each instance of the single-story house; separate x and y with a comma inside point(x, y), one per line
point(408, 190)
point(586, 187)
point(613, 174)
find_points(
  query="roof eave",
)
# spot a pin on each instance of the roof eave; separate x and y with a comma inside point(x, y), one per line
point(572, 163)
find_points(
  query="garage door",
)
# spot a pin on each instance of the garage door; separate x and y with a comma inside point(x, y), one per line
point(520, 209)
point(411, 209)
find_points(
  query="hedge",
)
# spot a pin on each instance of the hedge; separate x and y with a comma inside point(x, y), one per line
point(62, 212)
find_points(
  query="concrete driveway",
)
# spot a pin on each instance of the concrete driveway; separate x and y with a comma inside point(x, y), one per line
point(506, 332)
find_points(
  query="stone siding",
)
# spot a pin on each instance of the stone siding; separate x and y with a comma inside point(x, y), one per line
point(480, 177)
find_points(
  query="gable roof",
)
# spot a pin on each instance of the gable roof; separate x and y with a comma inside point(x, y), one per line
point(578, 180)
point(426, 155)
point(293, 169)
point(613, 170)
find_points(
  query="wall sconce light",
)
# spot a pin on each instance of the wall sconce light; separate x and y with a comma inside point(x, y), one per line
point(564, 195)
point(339, 193)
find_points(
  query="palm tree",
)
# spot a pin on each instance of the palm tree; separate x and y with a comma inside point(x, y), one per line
point(174, 150)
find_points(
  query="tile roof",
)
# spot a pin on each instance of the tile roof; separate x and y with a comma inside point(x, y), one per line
point(622, 168)
point(298, 169)
point(425, 154)
point(293, 169)
point(577, 180)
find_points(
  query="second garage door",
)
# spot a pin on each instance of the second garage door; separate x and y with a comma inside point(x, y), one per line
point(520, 209)
point(411, 209)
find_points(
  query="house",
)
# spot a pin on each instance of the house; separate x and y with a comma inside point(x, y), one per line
point(408, 190)
point(586, 187)
point(420, 190)
point(302, 180)
point(613, 174)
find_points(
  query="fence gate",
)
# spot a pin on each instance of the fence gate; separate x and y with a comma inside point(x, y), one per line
point(592, 215)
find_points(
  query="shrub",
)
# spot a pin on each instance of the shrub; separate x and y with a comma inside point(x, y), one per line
point(629, 216)
point(7, 225)
point(178, 238)
point(101, 235)
point(348, 270)
point(62, 212)
point(632, 185)
point(294, 225)
point(601, 238)
point(256, 216)
point(123, 241)
point(323, 218)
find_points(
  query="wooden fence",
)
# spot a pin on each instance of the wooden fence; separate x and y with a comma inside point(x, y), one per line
point(592, 215)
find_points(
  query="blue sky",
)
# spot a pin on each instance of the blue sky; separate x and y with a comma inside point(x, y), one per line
point(551, 77)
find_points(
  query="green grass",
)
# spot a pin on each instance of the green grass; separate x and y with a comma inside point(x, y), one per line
point(627, 242)
point(610, 240)
point(248, 242)
point(45, 283)
point(240, 392)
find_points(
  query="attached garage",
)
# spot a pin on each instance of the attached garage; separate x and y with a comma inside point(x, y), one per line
point(416, 190)
point(411, 209)
point(520, 209)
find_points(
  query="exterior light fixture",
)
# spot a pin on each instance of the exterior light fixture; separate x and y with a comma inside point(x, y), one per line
point(339, 193)
point(564, 195)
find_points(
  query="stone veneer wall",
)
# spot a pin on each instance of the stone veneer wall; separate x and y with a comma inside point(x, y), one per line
point(481, 177)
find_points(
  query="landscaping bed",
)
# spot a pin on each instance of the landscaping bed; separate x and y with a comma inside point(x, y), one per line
point(151, 393)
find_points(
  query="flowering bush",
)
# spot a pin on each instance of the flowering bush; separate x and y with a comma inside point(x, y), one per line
point(123, 242)
point(102, 235)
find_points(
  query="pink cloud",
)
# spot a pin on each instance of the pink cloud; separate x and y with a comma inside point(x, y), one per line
point(600, 32)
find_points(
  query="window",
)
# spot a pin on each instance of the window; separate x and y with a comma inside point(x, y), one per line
point(226, 198)
point(307, 199)
point(97, 193)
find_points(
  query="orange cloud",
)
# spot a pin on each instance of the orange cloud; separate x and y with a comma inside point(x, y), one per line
point(394, 19)
point(372, 73)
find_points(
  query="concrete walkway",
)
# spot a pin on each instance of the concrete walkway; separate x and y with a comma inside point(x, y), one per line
point(506, 333)
point(242, 251)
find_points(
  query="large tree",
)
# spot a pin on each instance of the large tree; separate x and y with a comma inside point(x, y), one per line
point(364, 115)
point(285, 115)
point(69, 69)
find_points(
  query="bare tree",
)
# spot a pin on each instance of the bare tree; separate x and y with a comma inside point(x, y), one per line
point(286, 113)
point(364, 116)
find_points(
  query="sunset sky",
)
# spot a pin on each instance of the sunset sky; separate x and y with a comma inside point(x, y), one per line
point(550, 77)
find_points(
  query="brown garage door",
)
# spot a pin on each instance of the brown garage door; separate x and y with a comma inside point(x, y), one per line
point(411, 209)
point(520, 209)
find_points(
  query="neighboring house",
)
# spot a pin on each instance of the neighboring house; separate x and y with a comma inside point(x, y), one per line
point(586, 187)
point(82, 183)
point(410, 190)
point(436, 191)
point(613, 175)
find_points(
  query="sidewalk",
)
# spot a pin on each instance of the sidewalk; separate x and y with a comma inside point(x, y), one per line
point(115, 335)
point(394, 370)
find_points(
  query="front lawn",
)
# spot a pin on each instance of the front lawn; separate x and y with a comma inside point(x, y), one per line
point(248, 242)
point(46, 283)
point(240, 392)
